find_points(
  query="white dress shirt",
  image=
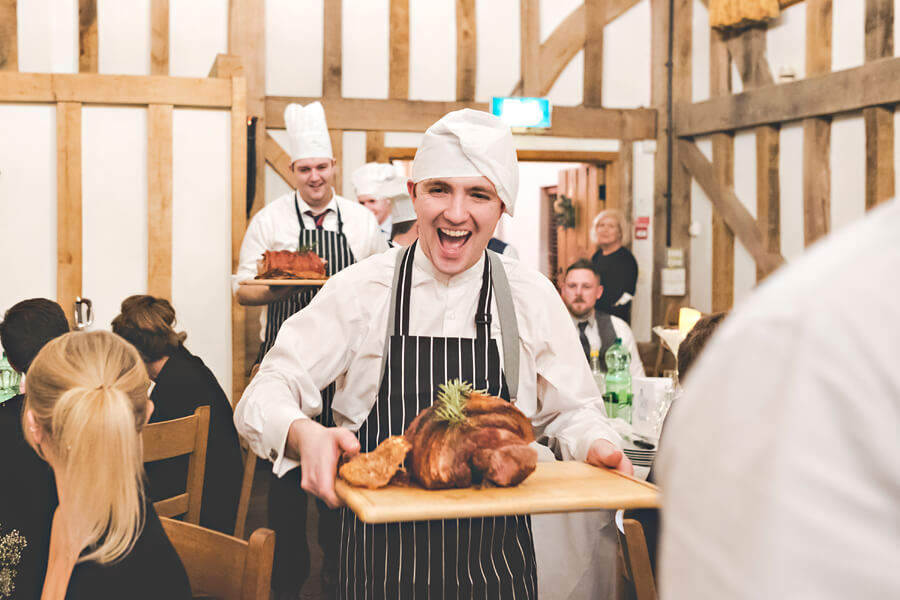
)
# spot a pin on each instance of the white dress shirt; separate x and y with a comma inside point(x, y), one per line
point(341, 335)
point(275, 227)
point(780, 465)
point(622, 331)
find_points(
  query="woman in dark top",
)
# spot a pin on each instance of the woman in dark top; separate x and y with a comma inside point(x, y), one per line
point(85, 403)
point(615, 265)
point(184, 383)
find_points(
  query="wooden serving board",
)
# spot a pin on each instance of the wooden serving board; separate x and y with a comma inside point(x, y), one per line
point(294, 282)
point(553, 487)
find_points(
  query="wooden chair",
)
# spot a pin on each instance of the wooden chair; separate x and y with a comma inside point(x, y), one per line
point(240, 521)
point(637, 569)
point(180, 437)
point(221, 566)
point(669, 320)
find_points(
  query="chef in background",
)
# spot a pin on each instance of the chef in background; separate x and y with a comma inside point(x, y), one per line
point(341, 232)
point(405, 229)
point(376, 184)
point(450, 309)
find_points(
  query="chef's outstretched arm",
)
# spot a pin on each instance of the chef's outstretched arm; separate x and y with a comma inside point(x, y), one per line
point(318, 449)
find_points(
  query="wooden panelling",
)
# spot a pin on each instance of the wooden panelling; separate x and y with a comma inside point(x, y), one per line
point(159, 37)
point(9, 39)
point(87, 36)
point(723, 166)
point(594, 21)
point(238, 226)
point(748, 51)
point(873, 84)
point(247, 40)
point(530, 21)
point(466, 50)
point(879, 120)
point(567, 40)
point(728, 206)
point(279, 159)
point(817, 132)
point(358, 114)
point(331, 71)
point(159, 200)
point(768, 190)
point(398, 78)
point(659, 32)
point(624, 168)
point(115, 89)
point(337, 147)
point(68, 203)
point(226, 66)
point(374, 145)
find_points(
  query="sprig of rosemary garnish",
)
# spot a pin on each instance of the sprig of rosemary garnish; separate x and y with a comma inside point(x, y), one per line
point(451, 401)
point(311, 247)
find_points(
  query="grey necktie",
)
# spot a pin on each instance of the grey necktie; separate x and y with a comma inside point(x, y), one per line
point(585, 344)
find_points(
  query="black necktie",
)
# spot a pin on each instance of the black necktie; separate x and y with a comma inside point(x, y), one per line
point(319, 218)
point(582, 325)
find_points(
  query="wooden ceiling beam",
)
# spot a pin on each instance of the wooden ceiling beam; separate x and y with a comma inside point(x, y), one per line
point(873, 84)
point(362, 114)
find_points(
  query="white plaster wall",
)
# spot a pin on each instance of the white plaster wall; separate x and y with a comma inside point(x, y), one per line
point(114, 208)
point(198, 30)
point(641, 312)
point(700, 280)
point(48, 36)
point(294, 47)
point(790, 171)
point(432, 49)
point(497, 34)
point(27, 203)
point(123, 37)
point(626, 59)
point(201, 235)
point(365, 43)
point(745, 186)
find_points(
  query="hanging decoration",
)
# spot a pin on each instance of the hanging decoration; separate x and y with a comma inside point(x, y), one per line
point(565, 212)
point(736, 14)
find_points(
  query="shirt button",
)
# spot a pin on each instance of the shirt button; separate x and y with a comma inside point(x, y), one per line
point(273, 454)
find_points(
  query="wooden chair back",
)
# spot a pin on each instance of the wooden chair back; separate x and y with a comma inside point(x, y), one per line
point(638, 571)
point(221, 566)
point(240, 522)
point(669, 320)
point(180, 437)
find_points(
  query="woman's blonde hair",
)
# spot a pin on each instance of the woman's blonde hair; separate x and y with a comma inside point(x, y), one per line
point(146, 322)
point(89, 393)
point(619, 216)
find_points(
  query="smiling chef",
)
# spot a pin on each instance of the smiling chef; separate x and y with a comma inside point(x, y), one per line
point(390, 329)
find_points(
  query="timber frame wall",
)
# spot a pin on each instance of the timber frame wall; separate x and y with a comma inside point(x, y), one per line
point(226, 90)
point(762, 107)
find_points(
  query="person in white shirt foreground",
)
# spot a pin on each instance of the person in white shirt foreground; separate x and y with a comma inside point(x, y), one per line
point(597, 330)
point(341, 232)
point(780, 463)
point(450, 317)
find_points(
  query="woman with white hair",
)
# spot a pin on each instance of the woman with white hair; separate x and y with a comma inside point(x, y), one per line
point(615, 265)
point(85, 404)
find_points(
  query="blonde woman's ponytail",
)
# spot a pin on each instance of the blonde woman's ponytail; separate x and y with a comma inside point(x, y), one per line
point(89, 393)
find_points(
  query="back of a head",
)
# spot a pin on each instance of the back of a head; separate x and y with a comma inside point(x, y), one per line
point(88, 393)
point(27, 326)
point(696, 340)
point(146, 322)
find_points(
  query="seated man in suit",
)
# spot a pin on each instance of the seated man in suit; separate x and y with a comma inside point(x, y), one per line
point(596, 330)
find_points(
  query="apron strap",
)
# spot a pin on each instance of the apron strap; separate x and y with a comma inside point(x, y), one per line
point(392, 311)
point(509, 325)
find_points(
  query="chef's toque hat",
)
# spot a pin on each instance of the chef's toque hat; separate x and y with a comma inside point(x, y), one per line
point(379, 180)
point(470, 143)
point(402, 209)
point(307, 131)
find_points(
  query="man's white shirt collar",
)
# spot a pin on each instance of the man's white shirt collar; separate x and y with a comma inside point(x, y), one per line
point(305, 207)
point(422, 262)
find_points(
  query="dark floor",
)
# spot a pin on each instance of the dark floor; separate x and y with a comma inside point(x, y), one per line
point(256, 518)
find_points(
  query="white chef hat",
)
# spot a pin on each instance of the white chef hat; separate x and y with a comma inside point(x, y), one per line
point(402, 209)
point(379, 180)
point(470, 143)
point(307, 131)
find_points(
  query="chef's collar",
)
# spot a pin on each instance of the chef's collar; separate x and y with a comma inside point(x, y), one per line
point(318, 211)
point(421, 262)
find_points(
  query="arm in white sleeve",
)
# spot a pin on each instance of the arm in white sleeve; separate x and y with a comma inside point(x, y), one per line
point(252, 248)
point(569, 408)
point(313, 347)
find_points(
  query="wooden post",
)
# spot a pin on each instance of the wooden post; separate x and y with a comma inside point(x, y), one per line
point(817, 131)
point(879, 119)
point(530, 22)
point(159, 37)
point(374, 145)
point(9, 45)
point(87, 36)
point(337, 147)
point(595, 20)
point(68, 202)
point(238, 226)
point(398, 82)
point(331, 73)
point(466, 50)
point(625, 170)
point(159, 200)
point(723, 164)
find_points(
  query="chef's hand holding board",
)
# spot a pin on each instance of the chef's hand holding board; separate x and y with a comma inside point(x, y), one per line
point(603, 454)
point(319, 449)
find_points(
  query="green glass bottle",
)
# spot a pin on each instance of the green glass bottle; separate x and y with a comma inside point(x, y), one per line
point(9, 379)
point(618, 396)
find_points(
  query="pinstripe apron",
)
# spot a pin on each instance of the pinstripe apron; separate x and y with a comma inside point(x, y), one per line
point(287, 501)
point(459, 558)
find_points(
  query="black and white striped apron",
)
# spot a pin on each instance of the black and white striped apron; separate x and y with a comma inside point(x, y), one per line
point(461, 558)
point(287, 501)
